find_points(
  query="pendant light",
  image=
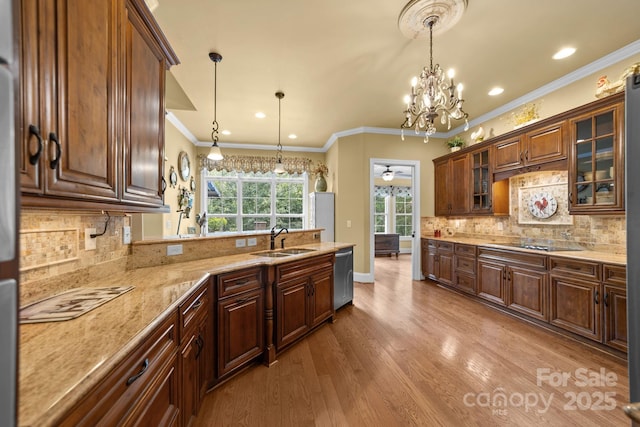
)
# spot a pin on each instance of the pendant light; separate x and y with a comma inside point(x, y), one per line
point(279, 169)
point(214, 152)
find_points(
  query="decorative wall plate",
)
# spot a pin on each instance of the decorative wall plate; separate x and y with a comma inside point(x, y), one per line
point(184, 165)
point(173, 177)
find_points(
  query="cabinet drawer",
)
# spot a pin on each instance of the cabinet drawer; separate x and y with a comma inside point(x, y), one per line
point(239, 281)
point(465, 250)
point(509, 257)
point(131, 383)
point(193, 309)
point(445, 246)
point(574, 268)
point(304, 267)
point(465, 264)
point(614, 275)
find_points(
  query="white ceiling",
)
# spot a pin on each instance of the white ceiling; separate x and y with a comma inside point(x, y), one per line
point(344, 64)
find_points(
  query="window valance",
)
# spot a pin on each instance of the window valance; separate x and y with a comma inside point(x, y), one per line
point(391, 190)
point(263, 164)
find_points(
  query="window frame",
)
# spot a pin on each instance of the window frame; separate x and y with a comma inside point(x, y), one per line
point(244, 177)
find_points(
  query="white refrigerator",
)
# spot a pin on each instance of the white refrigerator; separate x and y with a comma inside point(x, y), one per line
point(321, 214)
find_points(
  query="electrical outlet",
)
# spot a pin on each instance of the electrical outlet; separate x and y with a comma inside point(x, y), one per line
point(348, 223)
point(89, 243)
point(126, 235)
point(241, 243)
point(252, 241)
point(174, 250)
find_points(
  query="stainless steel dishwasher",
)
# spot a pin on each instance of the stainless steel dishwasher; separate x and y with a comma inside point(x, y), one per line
point(343, 278)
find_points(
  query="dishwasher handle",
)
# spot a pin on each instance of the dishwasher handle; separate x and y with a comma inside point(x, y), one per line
point(343, 254)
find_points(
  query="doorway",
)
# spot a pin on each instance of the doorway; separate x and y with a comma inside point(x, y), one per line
point(394, 207)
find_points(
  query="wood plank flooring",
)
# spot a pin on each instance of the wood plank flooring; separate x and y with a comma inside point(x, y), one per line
point(409, 353)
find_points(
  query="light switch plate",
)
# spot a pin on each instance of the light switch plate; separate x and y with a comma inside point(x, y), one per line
point(241, 243)
point(252, 241)
point(89, 243)
point(174, 250)
point(126, 235)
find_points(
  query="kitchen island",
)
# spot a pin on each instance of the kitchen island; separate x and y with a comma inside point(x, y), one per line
point(61, 362)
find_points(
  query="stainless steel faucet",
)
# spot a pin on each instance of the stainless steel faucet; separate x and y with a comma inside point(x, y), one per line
point(274, 235)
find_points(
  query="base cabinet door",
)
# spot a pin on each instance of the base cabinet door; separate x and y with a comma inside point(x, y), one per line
point(575, 306)
point(292, 314)
point(240, 330)
point(189, 390)
point(321, 288)
point(491, 278)
point(527, 292)
point(615, 317)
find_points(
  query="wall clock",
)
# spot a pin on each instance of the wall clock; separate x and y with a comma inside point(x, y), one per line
point(542, 204)
point(184, 165)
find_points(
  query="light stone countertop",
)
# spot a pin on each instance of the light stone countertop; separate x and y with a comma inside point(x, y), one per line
point(60, 362)
point(585, 255)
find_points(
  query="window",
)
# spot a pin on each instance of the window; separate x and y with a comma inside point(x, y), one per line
point(380, 214)
point(403, 215)
point(254, 201)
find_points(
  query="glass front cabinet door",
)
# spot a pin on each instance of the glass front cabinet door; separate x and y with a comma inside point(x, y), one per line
point(481, 181)
point(596, 175)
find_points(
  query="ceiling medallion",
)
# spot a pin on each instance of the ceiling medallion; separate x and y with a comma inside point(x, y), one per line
point(412, 18)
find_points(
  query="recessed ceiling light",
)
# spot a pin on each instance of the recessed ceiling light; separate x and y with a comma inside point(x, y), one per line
point(564, 53)
point(260, 115)
point(496, 91)
point(293, 136)
point(225, 132)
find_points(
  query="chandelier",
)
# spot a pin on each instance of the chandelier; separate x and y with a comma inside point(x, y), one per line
point(214, 152)
point(432, 95)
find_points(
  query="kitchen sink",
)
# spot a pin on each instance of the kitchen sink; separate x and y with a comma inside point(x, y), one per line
point(296, 251)
point(271, 254)
point(277, 253)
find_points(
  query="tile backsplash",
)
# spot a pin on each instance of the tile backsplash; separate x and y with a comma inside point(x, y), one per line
point(607, 233)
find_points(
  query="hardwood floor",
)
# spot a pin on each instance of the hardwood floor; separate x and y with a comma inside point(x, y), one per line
point(411, 353)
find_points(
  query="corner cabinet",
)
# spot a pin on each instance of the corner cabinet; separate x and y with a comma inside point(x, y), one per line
point(596, 167)
point(91, 105)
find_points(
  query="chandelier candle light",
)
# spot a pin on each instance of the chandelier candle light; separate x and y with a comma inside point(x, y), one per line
point(432, 95)
point(214, 152)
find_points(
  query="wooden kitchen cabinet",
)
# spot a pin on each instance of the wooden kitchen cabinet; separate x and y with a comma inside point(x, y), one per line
point(465, 261)
point(615, 306)
point(439, 261)
point(596, 160)
point(196, 343)
point(517, 280)
point(452, 186)
point(240, 308)
point(575, 296)
point(304, 297)
point(91, 105)
point(142, 390)
point(527, 151)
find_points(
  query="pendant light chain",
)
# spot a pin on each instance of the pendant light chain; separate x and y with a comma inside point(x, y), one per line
point(214, 132)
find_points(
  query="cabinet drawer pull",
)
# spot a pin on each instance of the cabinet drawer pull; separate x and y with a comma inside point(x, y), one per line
point(196, 305)
point(53, 164)
point(242, 300)
point(606, 299)
point(33, 158)
point(242, 282)
point(145, 366)
point(596, 298)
